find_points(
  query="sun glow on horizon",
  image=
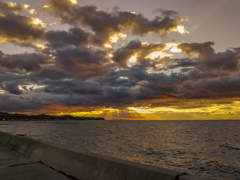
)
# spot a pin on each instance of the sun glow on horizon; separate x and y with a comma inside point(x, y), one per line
point(148, 112)
point(107, 113)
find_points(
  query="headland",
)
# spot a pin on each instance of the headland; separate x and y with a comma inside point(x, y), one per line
point(24, 117)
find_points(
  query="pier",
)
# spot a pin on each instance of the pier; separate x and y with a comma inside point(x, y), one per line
point(23, 158)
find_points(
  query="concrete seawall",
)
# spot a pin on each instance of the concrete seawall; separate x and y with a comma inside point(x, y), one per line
point(86, 165)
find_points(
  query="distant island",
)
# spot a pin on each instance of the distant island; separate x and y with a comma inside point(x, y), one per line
point(23, 117)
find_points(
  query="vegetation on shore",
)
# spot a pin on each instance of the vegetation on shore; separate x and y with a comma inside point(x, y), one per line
point(23, 117)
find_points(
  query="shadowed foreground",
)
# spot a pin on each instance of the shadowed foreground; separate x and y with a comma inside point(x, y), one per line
point(14, 165)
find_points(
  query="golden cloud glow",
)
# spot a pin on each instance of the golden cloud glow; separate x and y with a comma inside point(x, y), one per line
point(147, 109)
point(97, 112)
point(2, 15)
point(110, 55)
point(17, 8)
point(31, 86)
point(107, 46)
point(32, 11)
point(37, 21)
point(173, 47)
point(158, 54)
point(11, 4)
point(181, 29)
point(73, 1)
point(26, 6)
point(116, 37)
point(122, 77)
point(41, 46)
point(2, 91)
point(133, 59)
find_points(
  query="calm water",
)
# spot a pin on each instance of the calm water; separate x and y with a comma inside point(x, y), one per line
point(207, 148)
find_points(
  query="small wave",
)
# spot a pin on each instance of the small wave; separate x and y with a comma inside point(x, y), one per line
point(21, 135)
point(229, 147)
point(150, 151)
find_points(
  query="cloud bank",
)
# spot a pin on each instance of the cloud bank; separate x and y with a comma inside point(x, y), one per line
point(86, 67)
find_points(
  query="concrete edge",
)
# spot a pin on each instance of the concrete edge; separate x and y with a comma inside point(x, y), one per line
point(86, 165)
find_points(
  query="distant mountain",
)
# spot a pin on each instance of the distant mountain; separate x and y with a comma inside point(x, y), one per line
point(23, 117)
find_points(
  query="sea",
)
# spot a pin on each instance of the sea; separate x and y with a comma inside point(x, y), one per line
point(204, 148)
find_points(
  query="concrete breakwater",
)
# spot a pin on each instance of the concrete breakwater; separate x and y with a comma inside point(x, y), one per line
point(86, 165)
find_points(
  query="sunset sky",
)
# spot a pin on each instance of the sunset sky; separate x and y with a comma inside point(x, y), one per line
point(121, 59)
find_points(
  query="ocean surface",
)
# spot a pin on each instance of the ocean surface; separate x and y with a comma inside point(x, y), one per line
point(206, 148)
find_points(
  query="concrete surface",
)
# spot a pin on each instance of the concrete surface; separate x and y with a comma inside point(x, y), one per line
point(9, 157)
point(192, 177)
point(30, 172)
point(80, 165)
point(17, 166)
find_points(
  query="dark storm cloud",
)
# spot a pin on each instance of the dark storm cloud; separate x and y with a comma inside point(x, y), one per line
point(166, 12)
point(18, 28)
point(74, 68)
point(52, 74)
point(227, 60)
point(207, 58)
point(83, 62)
point(27, 62)
point(79, 56)
point(121, 81)
point(195, 74)
point(80, 100)
point(183, 63)
point(212, 88)
point(62, 5)
point(73, 37)
point(73, 86)
point(11, 88)
point(155, 85)
point(25, 30)
point(203, 49)
point(137, 84)
point(13, 76)
point(106, 24)
point(123, 54)
point(12, 104)
point(118, 92)
point(117, 89)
